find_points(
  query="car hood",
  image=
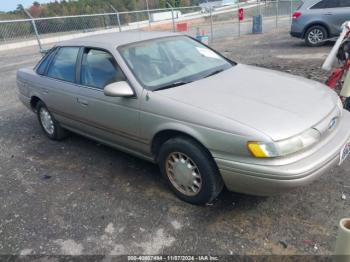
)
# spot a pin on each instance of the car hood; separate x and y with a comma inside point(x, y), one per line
point(277, 104)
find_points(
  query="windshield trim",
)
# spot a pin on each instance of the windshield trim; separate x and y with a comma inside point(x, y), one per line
point(171, 36)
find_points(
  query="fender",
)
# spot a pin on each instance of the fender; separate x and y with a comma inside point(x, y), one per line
point(182, 128)
point(314, 23)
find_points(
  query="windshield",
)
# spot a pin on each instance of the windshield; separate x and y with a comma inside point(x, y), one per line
point(171, 61)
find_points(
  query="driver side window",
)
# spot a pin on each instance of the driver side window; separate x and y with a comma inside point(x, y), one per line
point(99, 69)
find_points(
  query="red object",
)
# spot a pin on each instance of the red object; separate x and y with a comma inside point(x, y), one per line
point(336, 75)
point(182, 27)
point(296, 15)
point(241, 14)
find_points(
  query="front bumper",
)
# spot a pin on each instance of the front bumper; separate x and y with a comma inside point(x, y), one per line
point(267, 180)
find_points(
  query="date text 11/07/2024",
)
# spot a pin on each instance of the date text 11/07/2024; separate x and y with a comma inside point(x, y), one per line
point(173, 258)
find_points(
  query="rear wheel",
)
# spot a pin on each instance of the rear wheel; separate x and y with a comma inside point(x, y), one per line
point(190, 170)
point(316, 36)
point(48, 123)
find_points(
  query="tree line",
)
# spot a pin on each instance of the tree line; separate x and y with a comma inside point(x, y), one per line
point(78, 7)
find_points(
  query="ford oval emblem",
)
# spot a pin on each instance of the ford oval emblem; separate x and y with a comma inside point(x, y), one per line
point(333, 123)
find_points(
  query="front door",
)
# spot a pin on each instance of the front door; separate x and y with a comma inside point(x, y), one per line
point(112, 119)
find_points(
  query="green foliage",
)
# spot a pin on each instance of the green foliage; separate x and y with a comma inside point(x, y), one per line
point(77, 7)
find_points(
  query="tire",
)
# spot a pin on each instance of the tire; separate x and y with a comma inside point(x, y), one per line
point(316, 35)
point(54, 131)
point(347, 104)
point(194, 163)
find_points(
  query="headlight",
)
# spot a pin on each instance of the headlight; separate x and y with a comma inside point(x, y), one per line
point(284, 147)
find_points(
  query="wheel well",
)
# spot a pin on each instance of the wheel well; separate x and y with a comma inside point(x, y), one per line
point(163, 136)
point(316, 24)
point(34, 101)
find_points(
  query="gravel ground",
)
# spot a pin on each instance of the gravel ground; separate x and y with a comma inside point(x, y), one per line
point(276, 50)
point(79, 197)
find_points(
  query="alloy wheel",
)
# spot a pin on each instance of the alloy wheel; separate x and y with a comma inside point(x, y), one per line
point(315, 36)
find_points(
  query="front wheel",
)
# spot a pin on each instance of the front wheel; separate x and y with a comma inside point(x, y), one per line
point(190, 170)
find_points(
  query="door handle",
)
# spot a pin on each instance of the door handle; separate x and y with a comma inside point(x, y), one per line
point(45, 91)
point(82, 102)
point(328, 14)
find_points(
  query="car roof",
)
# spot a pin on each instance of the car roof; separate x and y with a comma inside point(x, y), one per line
point(113, 40)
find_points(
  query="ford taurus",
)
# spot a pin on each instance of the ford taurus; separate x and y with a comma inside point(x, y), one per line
point(207, 121)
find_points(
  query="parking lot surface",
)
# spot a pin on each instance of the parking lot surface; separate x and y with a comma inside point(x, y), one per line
point(80, 197)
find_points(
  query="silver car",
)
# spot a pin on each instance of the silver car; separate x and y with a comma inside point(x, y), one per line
point(317, 20)
point(207, 121)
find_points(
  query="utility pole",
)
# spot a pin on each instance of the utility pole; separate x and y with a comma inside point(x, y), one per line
point(277, 12)
point(118, 17)
point(172, 15)
point(211, 25)
point(239, 20)
point(35, 30)
point(149, 15)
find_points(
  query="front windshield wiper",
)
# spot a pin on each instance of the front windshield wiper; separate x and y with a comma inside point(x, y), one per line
point(179, 83)
point(214, 73)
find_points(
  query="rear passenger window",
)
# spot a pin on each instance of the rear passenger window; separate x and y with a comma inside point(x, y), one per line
point(327, 4)
point(319, 5)
point(333, 3)
point(44, 62)
point(99, 69)
point(63, 67)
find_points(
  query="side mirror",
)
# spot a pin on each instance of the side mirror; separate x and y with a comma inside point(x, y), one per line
point(119, 89)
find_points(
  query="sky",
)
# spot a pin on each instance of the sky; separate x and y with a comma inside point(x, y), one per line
point(9, 5)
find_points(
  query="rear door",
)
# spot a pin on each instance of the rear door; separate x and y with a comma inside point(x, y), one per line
point(58, 85)
point(336, 13)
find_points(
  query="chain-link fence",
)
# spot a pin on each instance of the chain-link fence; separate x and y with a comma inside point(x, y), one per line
point(215, 22)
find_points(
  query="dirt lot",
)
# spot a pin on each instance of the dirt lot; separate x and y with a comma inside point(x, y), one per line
point(79, 197)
